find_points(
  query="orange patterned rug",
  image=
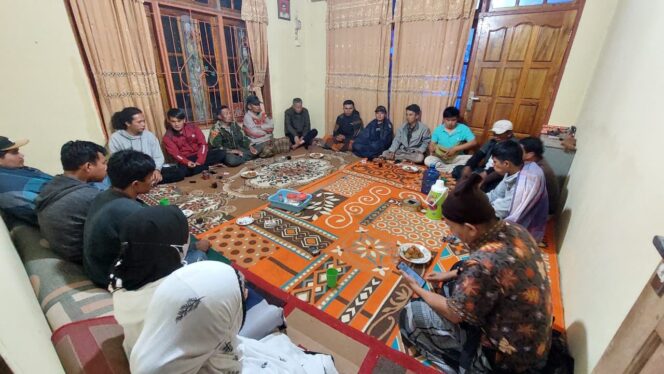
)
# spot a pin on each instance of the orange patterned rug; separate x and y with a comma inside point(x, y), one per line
point(356, 221)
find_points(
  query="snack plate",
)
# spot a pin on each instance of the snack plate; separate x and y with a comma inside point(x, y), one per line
point(425, 252)
point(244, 221)
point(410, 168)
point(316, 155)
point(249, 174)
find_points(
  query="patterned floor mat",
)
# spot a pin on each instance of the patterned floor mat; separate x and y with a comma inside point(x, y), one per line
point(356, 221)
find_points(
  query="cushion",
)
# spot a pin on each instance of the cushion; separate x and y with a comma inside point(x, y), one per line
point(63, 291)
point(91, 346)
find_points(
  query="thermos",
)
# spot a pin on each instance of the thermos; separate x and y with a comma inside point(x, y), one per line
point(429, 178)
point(435, 199)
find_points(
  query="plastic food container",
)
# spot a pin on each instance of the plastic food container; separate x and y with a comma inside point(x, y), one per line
point(290, 200)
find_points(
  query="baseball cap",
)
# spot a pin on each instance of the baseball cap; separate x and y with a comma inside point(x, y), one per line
point(253, 100)
point(502, 126)
point(8, 145)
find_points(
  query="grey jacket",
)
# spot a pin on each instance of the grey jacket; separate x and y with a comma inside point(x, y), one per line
point(146, 143)
point(419, 141)
point(62, 208)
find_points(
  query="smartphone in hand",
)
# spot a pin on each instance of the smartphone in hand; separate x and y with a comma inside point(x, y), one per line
point(408, 270)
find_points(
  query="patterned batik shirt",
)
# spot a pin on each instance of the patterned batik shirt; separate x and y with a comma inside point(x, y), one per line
point(504, 289)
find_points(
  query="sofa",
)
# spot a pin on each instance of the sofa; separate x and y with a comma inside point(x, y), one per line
point(86, 337)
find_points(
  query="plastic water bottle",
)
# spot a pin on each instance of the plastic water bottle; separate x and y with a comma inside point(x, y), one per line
point(429, 178)
point(435, 199)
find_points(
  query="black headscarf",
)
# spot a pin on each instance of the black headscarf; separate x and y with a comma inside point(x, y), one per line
point(467, 203)
point(152, 241)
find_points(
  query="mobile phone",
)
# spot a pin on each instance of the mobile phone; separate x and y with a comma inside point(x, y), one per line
point(408, 270)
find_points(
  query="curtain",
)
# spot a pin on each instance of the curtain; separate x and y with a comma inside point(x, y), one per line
point(358, 55)
point(429, 43)
point(254, 14)
point(116, 41)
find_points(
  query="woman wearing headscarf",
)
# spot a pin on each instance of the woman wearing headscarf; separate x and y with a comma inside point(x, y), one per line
point(153, 245)
point(192, 323)
point(374, 139)
point(495, 311)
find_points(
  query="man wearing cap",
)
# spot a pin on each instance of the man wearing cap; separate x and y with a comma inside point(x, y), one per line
point(374, 139)
point(412, 139)
point(298, 125)
point(481, 162)
point(258, 127)
point(19, 184)
point(494, 311)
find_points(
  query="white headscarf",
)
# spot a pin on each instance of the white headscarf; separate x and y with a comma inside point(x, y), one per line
point(192, 322)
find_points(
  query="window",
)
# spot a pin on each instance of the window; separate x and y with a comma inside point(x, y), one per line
point(496, 4)
point(203, 55)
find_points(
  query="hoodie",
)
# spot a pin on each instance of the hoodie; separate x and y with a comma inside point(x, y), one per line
point(146, 142)
point(62, 208)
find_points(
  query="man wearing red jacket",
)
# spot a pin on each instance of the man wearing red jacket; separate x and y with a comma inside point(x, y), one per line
point(186, 143)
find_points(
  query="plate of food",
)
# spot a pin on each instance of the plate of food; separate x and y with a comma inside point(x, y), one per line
point(414, 253)
point(316, 155)
point(249, 174)
point(245, 221)
point(410, 168)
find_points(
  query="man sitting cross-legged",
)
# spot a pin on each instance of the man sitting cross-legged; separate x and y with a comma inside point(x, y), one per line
point(521, 195)
point(227, 136)
point(412, 139)
point(494, 312)
point(298, 125)
point(62, 205)
point(259, 128)
point(186, 143)
point(346, 128)
point(19, 184)
point(376, 137)
point(449, 139)
point(481, 161)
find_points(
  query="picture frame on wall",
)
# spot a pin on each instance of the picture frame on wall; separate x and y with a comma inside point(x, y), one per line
point(284, 9)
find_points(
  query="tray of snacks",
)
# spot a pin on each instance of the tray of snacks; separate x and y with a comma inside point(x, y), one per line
point(290, 200)
point(415, 253)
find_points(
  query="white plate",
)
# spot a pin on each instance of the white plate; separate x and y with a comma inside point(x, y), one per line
point(244, 221)
point(188, 212)
point(425, 252)
point(249, 174)
point(410, 168)
point(316, 155)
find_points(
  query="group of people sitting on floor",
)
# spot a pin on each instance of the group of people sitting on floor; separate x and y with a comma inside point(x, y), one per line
point(492, 314)
point(177, 318)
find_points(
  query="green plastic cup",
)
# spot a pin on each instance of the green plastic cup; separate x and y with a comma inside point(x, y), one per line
point(164, 202)
point(332, 275)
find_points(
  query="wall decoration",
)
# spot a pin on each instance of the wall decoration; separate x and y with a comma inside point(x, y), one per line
point(284, 9)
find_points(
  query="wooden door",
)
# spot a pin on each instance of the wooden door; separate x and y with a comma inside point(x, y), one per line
point(515, 69)
point(638, 346)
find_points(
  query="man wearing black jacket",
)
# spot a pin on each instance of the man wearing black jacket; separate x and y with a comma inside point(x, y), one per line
point(481, 161)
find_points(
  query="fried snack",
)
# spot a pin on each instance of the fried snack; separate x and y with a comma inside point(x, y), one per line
point(413, 253)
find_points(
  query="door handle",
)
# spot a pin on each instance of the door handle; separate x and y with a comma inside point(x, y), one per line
point(471, 99)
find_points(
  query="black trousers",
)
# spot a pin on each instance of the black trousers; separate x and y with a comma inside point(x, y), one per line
point(214, 156)
point(308, 137)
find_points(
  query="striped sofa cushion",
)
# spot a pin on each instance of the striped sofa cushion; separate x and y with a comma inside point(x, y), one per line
point(63, 290)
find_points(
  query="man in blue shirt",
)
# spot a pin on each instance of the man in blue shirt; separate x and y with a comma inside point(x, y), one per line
point(19, 184)
point(449, 139)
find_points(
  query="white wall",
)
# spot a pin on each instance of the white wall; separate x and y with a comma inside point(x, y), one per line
point(25, 338)
point(583, 57)
point(616, 185)
point(297, 71)
point(45, 96)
